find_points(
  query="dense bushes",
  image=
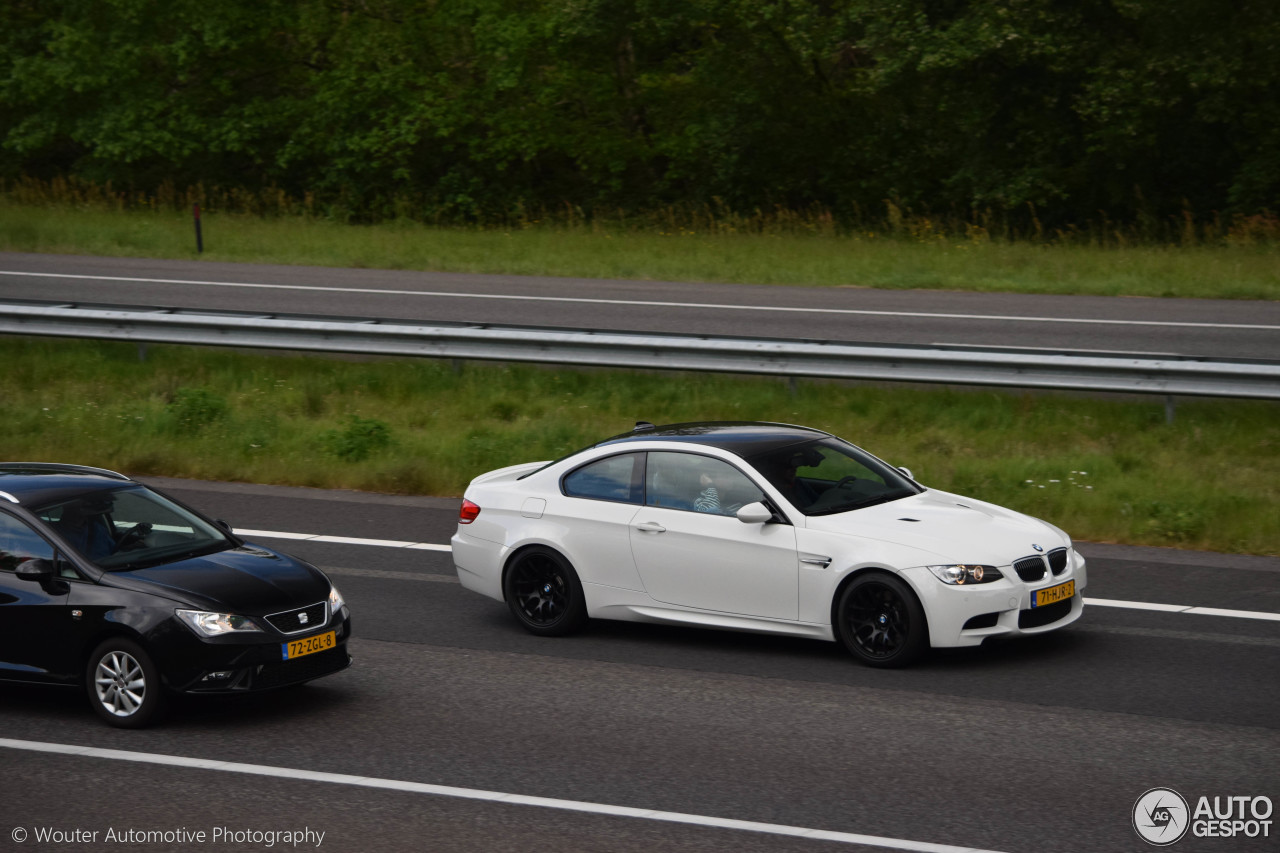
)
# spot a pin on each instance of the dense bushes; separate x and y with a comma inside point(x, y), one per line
point(1055, 111)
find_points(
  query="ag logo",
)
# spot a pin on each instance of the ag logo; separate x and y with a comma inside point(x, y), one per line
point(1161, 816)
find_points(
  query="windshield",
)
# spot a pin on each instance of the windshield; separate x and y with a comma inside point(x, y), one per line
point(131, 528)
point(829, 475)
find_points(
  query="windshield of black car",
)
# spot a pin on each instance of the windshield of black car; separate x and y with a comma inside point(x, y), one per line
point(828, 475)
point(130, 528)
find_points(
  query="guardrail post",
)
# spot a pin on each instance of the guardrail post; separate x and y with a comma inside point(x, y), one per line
point(1168, 408)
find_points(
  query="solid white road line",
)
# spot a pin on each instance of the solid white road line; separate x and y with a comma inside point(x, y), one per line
point(1092, 602)
point(650, 303)
point(1185, 608)
point(490, 796)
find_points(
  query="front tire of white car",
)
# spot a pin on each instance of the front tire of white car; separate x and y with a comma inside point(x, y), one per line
point(880, 621)
point(544, 593)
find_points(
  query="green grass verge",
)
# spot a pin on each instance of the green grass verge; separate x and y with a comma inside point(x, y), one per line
point(928, 259)
point(1103, 469)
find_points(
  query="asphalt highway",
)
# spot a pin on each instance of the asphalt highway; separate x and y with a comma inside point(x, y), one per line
point(1197, 327)
point(1042, 744)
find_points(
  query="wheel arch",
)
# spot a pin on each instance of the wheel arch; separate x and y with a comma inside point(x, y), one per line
point(109, 631)
point(874, 570)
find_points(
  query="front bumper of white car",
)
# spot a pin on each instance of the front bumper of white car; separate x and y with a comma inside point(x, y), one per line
point(967, 614)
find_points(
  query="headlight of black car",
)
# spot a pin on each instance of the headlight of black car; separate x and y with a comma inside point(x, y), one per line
point(336, 602)
point(208, 624)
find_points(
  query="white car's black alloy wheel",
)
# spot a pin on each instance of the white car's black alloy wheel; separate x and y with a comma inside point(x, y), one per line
point(543, 592)
point(541, 589)
point(880, 621)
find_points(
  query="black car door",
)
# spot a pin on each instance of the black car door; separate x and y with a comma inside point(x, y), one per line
point(34, 618)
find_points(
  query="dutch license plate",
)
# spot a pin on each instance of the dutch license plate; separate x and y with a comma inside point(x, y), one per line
point(309, 645)
point(1053, 594)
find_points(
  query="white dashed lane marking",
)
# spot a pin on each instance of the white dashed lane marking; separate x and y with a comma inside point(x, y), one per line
point(340, 540)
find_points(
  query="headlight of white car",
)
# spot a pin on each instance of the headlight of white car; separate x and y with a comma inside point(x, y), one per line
point(956, 575)
point(211, 624)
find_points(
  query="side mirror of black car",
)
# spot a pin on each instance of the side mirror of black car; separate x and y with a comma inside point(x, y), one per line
point(34, 570)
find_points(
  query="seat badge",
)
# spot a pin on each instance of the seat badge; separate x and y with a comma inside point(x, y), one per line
point(302, 617)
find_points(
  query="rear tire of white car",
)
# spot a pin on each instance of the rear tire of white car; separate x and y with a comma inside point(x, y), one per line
point(880, 622)
point(544, 593)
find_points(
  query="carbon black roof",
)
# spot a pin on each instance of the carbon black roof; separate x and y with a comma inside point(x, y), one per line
point(744, 438)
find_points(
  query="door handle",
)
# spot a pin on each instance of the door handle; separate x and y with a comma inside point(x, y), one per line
point(650, 527)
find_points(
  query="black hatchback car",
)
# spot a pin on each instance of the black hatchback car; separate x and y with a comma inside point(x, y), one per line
point(110, 585)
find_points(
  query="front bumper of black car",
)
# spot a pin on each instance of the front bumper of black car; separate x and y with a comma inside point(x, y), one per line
point(220, 667)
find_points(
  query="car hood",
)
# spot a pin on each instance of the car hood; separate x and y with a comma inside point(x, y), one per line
point(248, 580)
point(948, 528)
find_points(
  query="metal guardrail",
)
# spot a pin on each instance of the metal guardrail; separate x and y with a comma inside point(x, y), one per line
point(963, 365)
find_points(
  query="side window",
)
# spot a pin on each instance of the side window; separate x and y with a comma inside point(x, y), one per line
point(84, 523)
point(19, 543)
point(614, 478)
point(697, 483)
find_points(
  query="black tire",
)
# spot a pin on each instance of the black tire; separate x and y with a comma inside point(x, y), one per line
point(544, 593)
point(880, 622)
point(124, 684)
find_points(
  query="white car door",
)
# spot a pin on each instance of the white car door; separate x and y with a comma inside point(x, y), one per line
point(600, 500)
point(691, 550)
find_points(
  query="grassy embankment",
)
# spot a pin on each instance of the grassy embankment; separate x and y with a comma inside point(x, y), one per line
point(1242, 262)
point(1103, 469)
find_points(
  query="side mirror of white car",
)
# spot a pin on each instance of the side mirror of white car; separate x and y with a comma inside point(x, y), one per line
point(755, 513)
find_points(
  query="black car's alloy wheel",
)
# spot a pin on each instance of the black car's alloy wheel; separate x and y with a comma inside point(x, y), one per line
point(544, 593)
point(123, 683)
point(880, 622)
